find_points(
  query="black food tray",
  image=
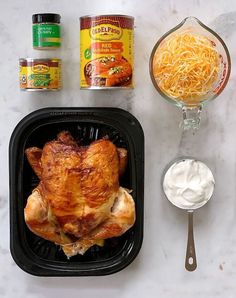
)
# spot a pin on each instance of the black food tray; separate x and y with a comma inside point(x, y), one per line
point(43, 258)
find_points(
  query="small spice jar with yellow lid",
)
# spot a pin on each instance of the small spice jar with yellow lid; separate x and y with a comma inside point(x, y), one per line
point(46, 31)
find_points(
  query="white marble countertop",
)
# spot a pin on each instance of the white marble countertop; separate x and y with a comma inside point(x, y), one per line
point(158, 271)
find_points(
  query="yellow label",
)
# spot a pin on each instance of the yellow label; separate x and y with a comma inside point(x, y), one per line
point(40, 76)
point(106, 56)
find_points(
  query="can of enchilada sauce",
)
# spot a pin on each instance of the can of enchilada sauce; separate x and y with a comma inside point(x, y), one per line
point(106, 52)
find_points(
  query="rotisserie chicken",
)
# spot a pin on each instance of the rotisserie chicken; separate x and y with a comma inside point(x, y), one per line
point(78, 202)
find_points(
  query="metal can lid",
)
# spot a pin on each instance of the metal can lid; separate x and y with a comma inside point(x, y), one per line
point(46, 18)
point(106, 15)
point(39, 59)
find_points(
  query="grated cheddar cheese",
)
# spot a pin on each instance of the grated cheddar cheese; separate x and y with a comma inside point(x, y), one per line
point(186, 66)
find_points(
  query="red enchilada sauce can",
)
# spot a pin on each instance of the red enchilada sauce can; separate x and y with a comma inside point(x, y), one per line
point(106, 52)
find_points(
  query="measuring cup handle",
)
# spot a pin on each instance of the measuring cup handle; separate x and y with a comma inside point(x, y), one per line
point(190, 261)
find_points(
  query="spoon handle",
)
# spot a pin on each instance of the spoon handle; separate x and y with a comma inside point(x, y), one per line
point(190, 261)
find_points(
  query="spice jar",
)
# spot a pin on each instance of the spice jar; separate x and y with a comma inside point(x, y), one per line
point(46, 31)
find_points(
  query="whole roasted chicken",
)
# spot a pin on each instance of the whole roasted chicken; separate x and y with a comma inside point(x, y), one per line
point(78, 202)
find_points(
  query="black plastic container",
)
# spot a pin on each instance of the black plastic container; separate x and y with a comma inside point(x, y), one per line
point(43, 258)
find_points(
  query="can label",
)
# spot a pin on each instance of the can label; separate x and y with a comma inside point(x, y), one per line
point(46, 35)
point(40, 74)
point(106, 51)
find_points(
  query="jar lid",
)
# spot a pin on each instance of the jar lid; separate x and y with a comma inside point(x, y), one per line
point(46, 18)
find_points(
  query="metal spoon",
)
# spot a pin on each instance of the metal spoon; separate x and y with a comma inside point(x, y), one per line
point(190, 260)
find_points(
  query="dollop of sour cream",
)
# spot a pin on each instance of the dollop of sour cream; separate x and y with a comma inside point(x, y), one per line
point(188, 184)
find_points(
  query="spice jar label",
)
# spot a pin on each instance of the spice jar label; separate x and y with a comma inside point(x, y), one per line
point(46, 35)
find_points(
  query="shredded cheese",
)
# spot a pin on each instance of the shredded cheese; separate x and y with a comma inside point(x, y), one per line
point(186, 66)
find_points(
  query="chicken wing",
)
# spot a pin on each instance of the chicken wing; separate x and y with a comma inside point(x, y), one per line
point(33, 155)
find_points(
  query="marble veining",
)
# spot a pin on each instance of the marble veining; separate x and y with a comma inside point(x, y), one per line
point(159, 270)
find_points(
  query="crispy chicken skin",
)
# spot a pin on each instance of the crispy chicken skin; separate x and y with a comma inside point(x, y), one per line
point(40, 221)
point(121, 218)
point(123, 159)
point(77, 193)
point(33, 155)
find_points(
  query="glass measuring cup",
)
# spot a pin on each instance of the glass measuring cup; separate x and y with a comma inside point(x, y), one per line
point(192, 110)
point(184, 191)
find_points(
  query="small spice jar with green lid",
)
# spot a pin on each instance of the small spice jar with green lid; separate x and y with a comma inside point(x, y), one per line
point(46, 31)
